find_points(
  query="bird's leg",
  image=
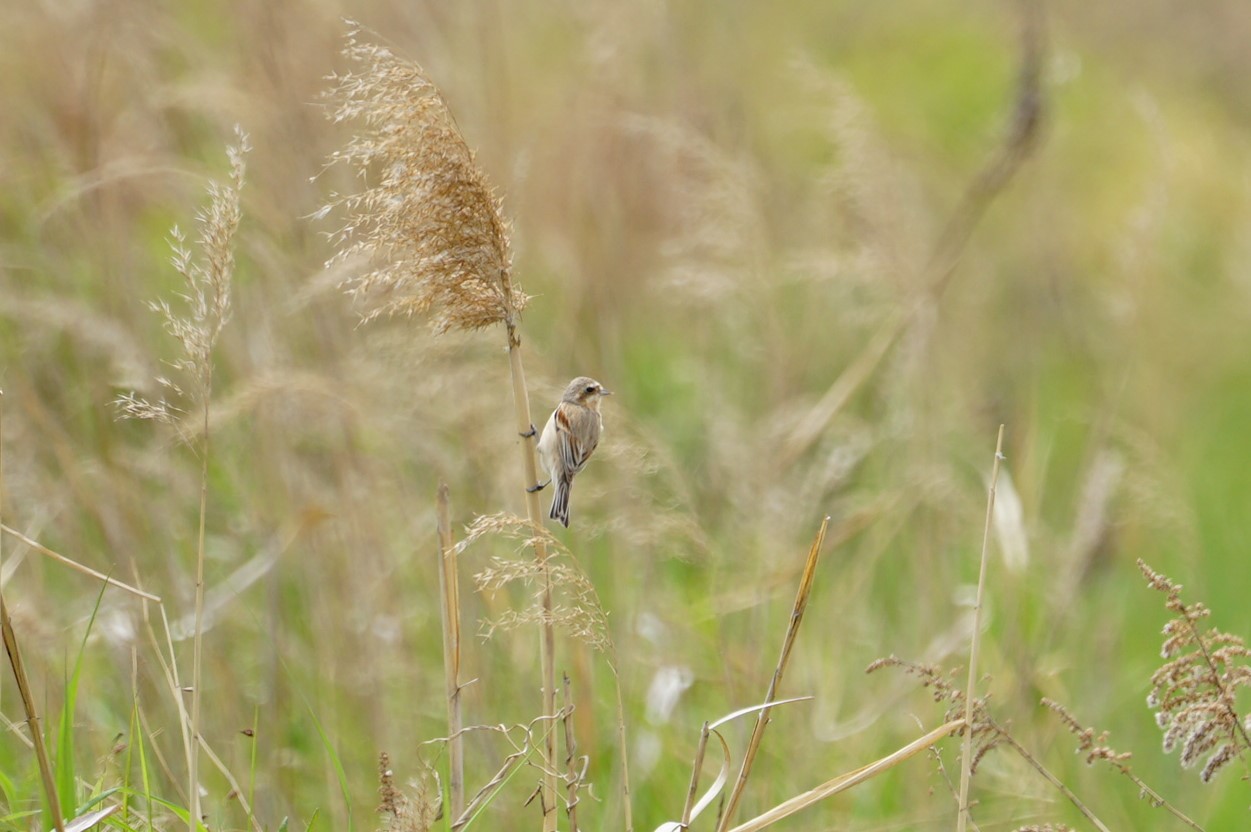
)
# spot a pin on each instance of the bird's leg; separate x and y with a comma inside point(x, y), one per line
point(538, 487)
point(529, 433)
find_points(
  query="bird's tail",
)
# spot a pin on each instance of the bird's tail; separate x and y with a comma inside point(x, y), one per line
point(560, 501)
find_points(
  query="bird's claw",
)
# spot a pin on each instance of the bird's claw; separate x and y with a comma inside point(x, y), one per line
point(529, 433)
point(538, 486)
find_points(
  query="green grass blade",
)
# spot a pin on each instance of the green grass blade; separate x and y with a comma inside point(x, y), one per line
point(66, 775)
point(338, 767)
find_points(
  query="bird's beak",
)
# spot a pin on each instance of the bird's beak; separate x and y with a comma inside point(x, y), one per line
point(605, 392)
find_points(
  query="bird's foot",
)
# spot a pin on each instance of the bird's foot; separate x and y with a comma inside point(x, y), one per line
point(538, 486)
point(529, 433)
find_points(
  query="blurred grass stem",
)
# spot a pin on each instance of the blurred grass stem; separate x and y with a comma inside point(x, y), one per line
point(966, 753)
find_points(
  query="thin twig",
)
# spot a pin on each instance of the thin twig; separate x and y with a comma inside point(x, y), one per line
point(966, 753)
point(1051, 778)
point(75, 565)
point(788, 643)
point(450, 608)
point(846, 781)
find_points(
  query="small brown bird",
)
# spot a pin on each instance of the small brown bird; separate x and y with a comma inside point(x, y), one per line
point(570, 437)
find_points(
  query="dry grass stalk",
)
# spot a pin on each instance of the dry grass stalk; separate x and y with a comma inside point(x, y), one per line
point(846, 781)
point(1195, 692)
point(437, 243)
point(19, 675)
point(78, 567)
point(700, 750)
point(966, 754)
point(450, 610)
point(574, 773)
point(1095, 747)
point(788, 643)
point(207, 295)
point(1020, 140)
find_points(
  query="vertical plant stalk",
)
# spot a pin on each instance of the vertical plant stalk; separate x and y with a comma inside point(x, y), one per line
point(436, 242)
point(628, 813)
point(547, 638)
point(450, 608)
point(975, 644)
point(572, 776)
point(762, 718)
point(198, 638)
point(19, 674)
point(700, 751)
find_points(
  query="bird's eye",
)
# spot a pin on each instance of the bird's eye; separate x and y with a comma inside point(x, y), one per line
point(590, 388)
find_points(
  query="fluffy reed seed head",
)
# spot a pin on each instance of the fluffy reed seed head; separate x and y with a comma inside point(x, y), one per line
point(428, 222)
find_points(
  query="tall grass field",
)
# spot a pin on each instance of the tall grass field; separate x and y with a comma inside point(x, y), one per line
point(928, 326)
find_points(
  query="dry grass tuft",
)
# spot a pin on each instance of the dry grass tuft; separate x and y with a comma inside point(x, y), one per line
point(429, 223)
point(1194, 694)
point(399, 812)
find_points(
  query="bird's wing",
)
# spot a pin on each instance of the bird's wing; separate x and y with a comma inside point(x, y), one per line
point(577, 435)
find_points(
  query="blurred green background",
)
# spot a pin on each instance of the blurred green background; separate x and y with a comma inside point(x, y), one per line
point(716, 206)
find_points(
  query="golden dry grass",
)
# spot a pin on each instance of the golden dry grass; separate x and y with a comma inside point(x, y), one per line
point(716, 209)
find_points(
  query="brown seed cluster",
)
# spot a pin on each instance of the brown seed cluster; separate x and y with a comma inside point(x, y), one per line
point(1194, 692)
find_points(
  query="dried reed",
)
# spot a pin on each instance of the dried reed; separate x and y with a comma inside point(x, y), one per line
point(449, 607)
point(435, 238)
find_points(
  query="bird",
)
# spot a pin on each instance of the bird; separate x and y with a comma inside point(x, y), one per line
point(569, 438)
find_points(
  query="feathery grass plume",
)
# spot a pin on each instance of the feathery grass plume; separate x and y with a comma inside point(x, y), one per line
point(207, 298)
point(206, 294)
point(1194, 693)
point(577, 610)
point(429, 223)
